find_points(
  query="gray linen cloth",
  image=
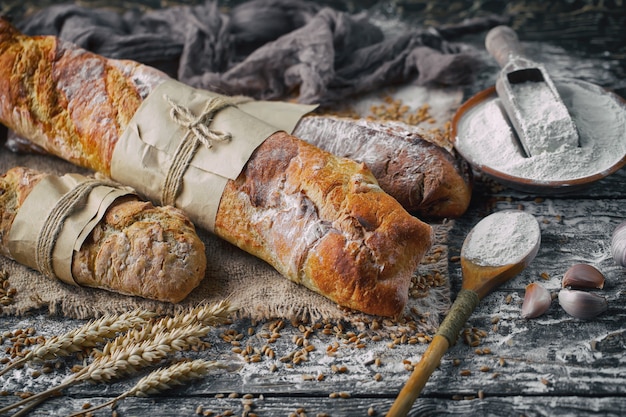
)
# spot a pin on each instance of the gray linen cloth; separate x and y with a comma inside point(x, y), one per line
point(267, 49)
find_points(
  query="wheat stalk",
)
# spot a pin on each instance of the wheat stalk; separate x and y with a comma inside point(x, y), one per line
point(87, 336)
point(163, 379)
point(139, 348)
point(207, 315)
point(167, 378)
point(143, 347)
point(125, 358)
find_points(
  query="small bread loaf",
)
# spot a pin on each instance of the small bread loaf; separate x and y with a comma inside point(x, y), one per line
point(136, 249)
point(320, 220)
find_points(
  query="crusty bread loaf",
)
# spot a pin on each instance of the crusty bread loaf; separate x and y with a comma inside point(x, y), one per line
point(320, 220)
point(427, 179)
point(72, 103)
point(136, 249)
point(324, 222)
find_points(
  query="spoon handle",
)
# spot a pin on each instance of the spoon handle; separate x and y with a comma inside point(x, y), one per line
point(465, 303)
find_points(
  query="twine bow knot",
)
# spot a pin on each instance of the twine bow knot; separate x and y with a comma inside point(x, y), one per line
point(197, 131)
point(198, 127)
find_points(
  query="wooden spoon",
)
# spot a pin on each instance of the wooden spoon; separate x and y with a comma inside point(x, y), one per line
point(499, 247)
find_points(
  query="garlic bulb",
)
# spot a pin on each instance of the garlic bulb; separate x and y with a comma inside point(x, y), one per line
point(582, 304)
point(537, 301)
point(583, 276)
point(618, 244)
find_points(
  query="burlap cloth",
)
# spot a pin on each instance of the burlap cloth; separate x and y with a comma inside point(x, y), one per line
point(248, 282)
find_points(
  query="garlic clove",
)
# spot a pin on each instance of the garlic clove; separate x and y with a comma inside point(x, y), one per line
point(583, 276)
point(618, 244)
point(537, 301)
point(582, 304)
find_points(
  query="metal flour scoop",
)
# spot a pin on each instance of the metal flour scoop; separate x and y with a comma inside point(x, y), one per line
point(524, 87)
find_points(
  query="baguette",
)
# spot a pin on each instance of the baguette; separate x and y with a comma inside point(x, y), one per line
point(320, 220)
point(135, 249)
point(425, 178)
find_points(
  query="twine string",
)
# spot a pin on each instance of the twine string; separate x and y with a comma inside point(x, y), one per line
point(198, 132)
point(47, 236)
point(465, 303)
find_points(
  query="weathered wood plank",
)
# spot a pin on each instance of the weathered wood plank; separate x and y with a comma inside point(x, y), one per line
point(512, 406)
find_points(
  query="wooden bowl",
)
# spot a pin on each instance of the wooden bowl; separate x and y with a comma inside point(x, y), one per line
point(531, 185)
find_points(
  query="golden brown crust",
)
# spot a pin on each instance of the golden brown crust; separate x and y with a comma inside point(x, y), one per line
point(136, 249)
point(324, 222)
point(320, 220)
point(45, 97)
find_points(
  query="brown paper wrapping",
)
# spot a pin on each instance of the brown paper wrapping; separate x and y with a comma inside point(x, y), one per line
point(145, 151)
point(77, 224)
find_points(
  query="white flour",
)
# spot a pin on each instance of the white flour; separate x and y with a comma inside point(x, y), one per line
point(502, 238)
point(486, 139)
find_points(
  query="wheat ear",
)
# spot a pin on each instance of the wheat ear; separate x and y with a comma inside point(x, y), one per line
point(87, 336)
point(136, 349)
point(205, 314)
point(163, 379)
point(210, 315)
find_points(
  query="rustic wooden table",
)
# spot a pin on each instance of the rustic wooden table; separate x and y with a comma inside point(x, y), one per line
point(554, 365)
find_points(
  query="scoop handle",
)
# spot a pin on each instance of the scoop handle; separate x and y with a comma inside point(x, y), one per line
point(424, 369)
point(462, 308)
point(502, 43)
